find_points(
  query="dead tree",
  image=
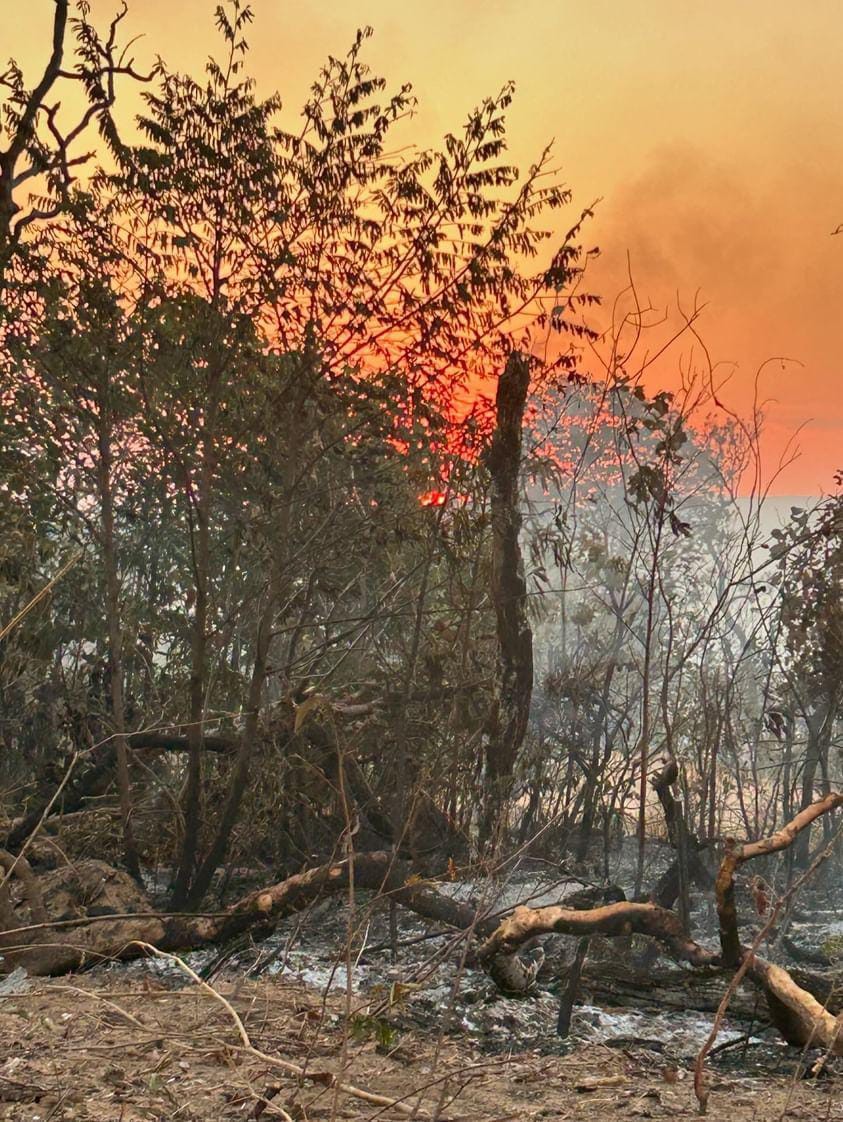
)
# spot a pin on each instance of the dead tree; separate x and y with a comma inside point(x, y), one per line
point(510, 709)
point(688, 868)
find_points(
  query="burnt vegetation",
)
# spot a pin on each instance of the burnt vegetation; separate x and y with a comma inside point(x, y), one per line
point(344, 553)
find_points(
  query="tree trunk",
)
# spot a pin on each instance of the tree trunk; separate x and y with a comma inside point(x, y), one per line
point(240, 772)
point(115, 635)
point(196, 697)
point(514, 676)
point(819, 726)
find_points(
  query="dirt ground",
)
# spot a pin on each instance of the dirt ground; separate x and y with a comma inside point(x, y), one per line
point(125, 1049)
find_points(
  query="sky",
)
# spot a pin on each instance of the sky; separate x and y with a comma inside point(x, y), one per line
point(712, 134)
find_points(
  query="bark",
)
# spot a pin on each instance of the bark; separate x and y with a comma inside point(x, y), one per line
point(115, 634)
point(736, 855)
point(240, 774)
point(514, 676)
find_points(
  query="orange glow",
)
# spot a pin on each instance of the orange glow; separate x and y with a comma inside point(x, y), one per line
point(433, 498)
point(712, 133)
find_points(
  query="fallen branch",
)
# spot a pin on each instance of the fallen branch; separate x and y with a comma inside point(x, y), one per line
point(737, 855)
point(625, 918)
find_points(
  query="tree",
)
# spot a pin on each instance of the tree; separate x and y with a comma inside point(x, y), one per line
point(38, 148)
point(295, 311)
point(809, 551)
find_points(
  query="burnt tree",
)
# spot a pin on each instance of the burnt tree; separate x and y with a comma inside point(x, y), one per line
point(510, 709)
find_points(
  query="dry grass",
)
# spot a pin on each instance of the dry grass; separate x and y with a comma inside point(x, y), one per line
point(97, 1050)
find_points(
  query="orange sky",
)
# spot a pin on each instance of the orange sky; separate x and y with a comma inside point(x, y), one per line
point(713, 134)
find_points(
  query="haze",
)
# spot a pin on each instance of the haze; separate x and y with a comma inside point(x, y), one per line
point(711, 133)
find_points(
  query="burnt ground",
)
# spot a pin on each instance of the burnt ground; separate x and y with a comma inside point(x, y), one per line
point(112, 1048)
point(142, 1041)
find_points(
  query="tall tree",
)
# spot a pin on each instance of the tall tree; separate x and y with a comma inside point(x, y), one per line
point(294, 311)
point(39, 147)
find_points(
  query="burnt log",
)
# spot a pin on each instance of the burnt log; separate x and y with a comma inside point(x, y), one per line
point(58, 947)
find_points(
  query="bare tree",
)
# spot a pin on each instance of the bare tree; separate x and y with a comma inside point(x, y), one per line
point(41, 149)
point(514, 676)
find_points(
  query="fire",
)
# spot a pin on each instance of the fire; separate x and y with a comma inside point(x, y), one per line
point(433, 498)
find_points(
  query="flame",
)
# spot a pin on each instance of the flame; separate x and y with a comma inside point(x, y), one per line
point(433, 498)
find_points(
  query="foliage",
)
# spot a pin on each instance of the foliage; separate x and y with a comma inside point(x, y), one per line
point(234, 367)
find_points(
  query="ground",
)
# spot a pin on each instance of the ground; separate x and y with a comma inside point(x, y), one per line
point(127, 1047)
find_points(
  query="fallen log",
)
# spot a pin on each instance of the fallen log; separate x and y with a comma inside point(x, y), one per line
point(56, 947)
point(737, 855)
point(799, 1017)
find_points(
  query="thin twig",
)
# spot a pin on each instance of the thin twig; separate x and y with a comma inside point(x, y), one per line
point(39, 596)
point(273, 1061)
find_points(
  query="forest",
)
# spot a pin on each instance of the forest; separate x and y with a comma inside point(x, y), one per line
point(407, 709)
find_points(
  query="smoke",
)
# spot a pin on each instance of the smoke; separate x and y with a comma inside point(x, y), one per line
point(759, 250)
